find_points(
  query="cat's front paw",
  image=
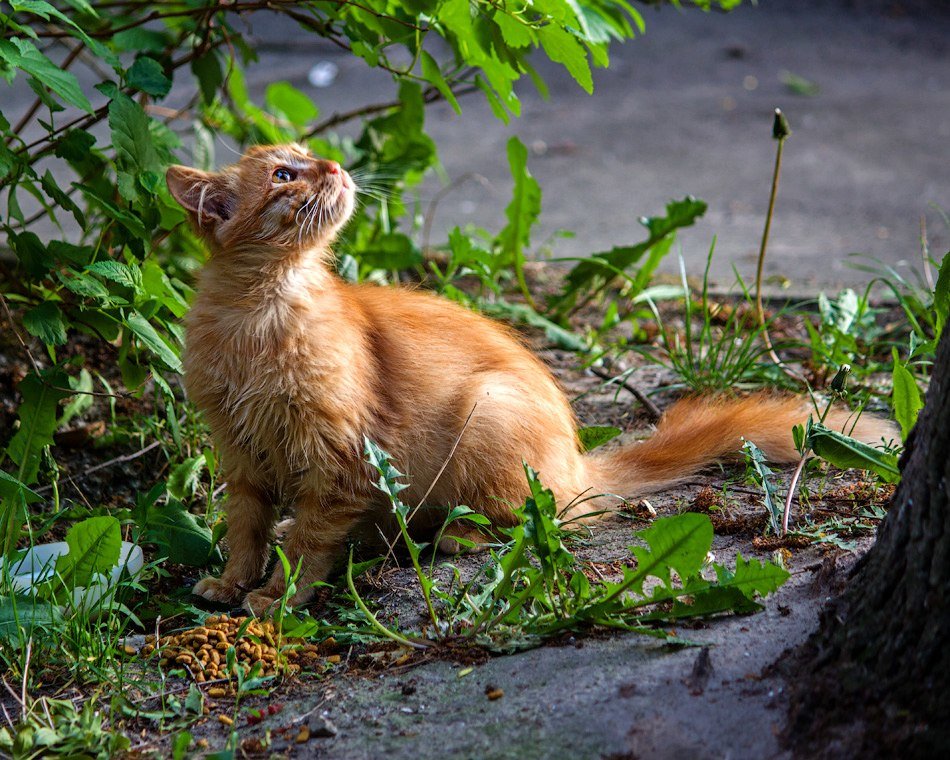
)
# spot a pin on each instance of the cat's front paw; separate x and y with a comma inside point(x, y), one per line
point(217, 590)
point(259, 603)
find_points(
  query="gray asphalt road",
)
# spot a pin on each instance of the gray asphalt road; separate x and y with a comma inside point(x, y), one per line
point(687, 108)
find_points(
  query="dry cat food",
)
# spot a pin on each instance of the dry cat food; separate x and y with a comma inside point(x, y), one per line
point(203, 650)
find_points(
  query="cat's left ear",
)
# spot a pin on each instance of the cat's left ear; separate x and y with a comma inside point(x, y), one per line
point(209, 197)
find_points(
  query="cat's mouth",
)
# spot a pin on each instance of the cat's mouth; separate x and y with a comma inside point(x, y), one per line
point(323, 211)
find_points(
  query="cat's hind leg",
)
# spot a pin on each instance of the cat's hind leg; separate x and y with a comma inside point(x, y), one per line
point(314, 541)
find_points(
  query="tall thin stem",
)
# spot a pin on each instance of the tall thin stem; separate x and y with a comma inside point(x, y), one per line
point(780, 131)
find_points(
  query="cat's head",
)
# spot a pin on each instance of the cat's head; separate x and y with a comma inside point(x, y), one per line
point(275, 196)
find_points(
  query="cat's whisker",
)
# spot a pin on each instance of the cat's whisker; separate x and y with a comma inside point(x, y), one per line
point(300, 226)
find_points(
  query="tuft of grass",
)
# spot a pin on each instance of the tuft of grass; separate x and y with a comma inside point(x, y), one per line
point(711, 358)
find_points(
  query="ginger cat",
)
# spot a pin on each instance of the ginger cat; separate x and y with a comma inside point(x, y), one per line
point(292, 367)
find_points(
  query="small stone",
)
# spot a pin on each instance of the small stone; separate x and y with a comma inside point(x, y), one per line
point(493, 693)
point(321, 727)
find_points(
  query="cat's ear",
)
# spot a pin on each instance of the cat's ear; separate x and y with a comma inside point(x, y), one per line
point(208, 197)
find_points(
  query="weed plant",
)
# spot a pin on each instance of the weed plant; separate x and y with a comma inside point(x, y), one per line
point(532, 587)
point(715, 358)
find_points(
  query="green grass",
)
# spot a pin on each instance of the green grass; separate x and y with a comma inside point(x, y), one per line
point(710, 357)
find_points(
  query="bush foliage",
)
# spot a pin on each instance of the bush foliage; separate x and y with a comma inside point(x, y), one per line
point(87, 157)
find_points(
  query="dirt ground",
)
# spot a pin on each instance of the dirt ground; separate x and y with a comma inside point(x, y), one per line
point(584, 696)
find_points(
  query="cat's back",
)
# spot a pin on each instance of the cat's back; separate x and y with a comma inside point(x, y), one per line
point(424, 322)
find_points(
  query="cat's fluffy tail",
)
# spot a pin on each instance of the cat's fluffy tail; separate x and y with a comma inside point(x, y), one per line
point(697, 431)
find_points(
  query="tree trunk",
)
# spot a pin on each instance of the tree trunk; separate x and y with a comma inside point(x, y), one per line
point(875, 677)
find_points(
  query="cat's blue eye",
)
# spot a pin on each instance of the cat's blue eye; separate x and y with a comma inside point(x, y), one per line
point(283, 175)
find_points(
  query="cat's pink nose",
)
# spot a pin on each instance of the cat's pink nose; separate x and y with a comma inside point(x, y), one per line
point(333, 167)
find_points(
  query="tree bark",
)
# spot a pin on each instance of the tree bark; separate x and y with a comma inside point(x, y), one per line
point(875, 677)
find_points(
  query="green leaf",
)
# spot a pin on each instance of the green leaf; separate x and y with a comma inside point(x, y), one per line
point(711, 600)
point(81, 401)
point(158, 285)
point(592, 275)
point(563, 47)
point(678, 543)
point(592, 437)
point(25, 612)
point(45, 96)
point(905, 396)
point(48, 183)
point(942, 295)
point(46, 323)
point(23, 55)
point(118, 272)
point(392, 251)
point(135, 154)
point(32, 254)
point(184, 478)
point(38, 414)
point(522, 213)
point(83, 7)
point(516, 32)
point(11, 487)
point(15, 498)
point(182, 537)
point(286, 100)
point(153, 341)
point(525, 204)
point(847, 453)
point(752, 577)
point(127, 219)
point(432, 74)
point(147, 75)
point(46, 10)
point(75, 146)
point(207, 70)
point(82, 284)
point(140, 40)
point(763, 476)
point(94, 546)
point(519, 312)
point(798, 85)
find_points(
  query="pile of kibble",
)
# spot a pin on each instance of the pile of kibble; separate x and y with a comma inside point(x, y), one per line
point(202, 651)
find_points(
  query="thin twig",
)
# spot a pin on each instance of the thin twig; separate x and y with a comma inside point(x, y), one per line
point(36, 366)
point(652, 409)
point(16, 333)
point(445, 464)
point(109, 463)
point(31, 111)
point(429, 95)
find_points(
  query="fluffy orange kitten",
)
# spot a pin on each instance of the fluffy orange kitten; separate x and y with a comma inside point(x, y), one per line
point(292, 367)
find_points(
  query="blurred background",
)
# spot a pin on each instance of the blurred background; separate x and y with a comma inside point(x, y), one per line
point(687, 109)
